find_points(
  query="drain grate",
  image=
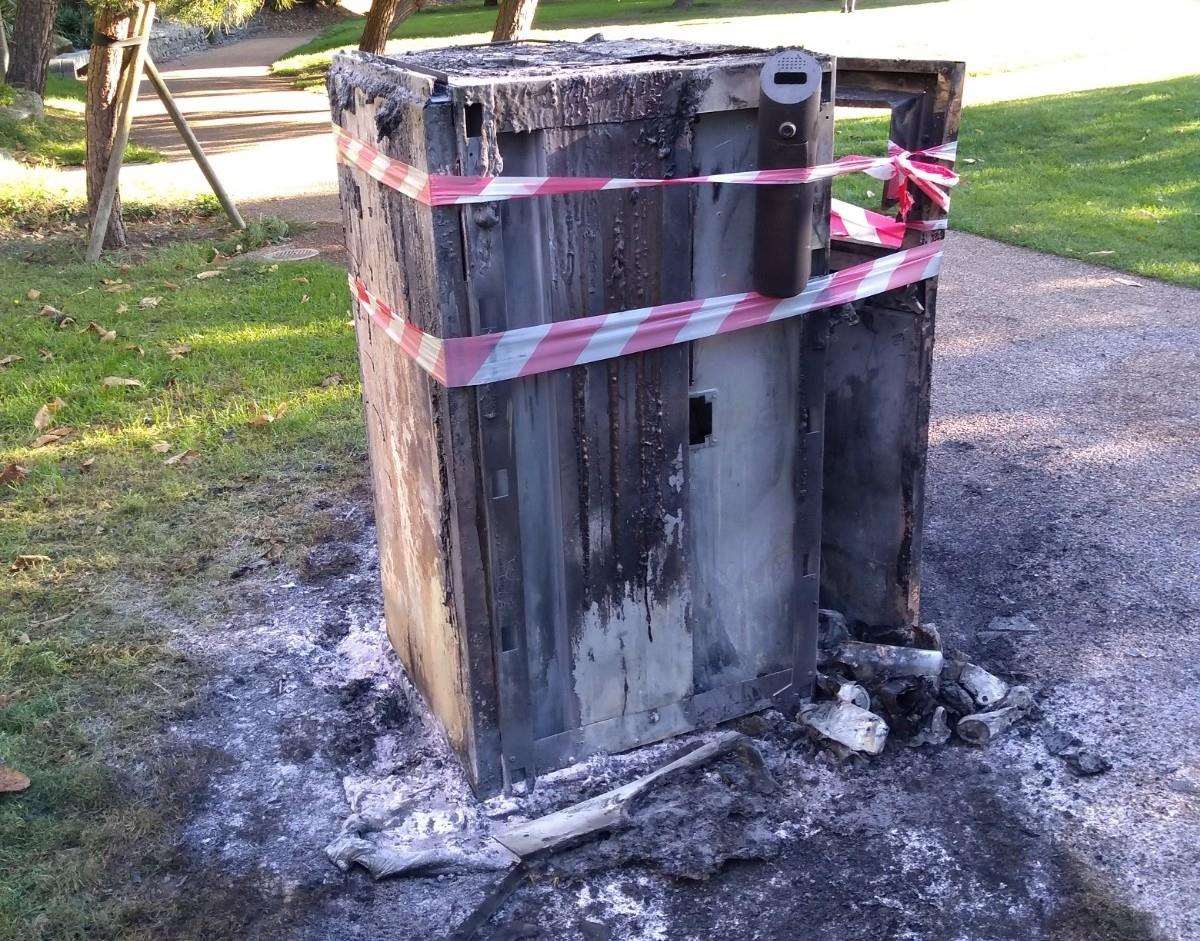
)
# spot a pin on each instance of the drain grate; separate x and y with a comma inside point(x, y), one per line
point(290, 254)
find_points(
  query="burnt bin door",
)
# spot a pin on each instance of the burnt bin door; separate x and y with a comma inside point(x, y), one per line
point(753, 553)
point(600, 449)
point(643, 510)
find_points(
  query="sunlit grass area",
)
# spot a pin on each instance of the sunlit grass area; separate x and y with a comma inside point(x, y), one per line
point(1109, 176)
point(189, 419)
point(57, 138)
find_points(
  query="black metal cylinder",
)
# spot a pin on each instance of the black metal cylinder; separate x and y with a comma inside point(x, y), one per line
point(788, 109)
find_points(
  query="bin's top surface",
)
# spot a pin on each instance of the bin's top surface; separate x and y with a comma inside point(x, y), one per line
point(550, 59)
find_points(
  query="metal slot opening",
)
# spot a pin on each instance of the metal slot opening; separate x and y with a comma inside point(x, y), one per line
point(791, 78)
point(700, 419)
point(474, 118)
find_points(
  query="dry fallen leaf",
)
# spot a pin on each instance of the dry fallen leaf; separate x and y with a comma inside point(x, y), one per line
point(106, 336)
point(134, 348)
point(205, 275)
point(183, 457)
point(300, 280)
point(10, 359)
point(304, 299)
point(53, 436)
point(118, 287)
point(45, 354)
point(122, 308)
point(12, 781)
point(24, 562)
point(12, 473)
point(45, 414)
point(64, 321)
point(332, 379)
point(171, 285)
point(160, 447)
point(33, 294)
point(87, 465)
point(147, 302)
point(262, 417)
point(23, 638)
point(48, 311)
point(116, 382)
point(179, 351)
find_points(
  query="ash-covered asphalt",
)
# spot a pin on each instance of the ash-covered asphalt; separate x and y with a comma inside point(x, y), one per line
point(1063, 484)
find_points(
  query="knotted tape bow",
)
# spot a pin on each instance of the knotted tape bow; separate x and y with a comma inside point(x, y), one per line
point(932, 179)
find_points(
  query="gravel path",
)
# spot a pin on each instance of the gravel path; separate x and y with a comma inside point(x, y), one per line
point(1064, 483)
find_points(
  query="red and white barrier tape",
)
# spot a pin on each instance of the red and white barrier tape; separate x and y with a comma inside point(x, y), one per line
point(527, 351)
point(436, 189)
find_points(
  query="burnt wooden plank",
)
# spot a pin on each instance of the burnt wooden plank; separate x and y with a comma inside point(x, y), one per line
point(428, 574)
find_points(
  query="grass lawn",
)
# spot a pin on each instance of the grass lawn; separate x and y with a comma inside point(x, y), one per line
point(57, 138)
point(1109, 176)
point(307, 63)
point(162, 489)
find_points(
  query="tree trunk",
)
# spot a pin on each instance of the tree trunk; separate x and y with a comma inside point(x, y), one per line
point(382, 19)
point(514, 19)
point(103, 79)
point(32, 29)
point(3, 51)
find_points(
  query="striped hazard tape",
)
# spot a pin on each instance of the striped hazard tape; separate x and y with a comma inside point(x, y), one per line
point(527, 351)
point(435, 189)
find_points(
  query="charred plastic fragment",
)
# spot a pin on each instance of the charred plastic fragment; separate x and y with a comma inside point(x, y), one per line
point(982, 727)
point(987, 690)
point(871, 663)
point(847, 724)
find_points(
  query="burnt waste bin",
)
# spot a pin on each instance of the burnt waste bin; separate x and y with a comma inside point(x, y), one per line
point(613, 484)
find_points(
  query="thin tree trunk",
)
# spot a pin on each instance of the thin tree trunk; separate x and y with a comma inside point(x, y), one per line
point(3, 51)
point(32, 29)
point(103, 79)
point(382, 19)
point(514, 20)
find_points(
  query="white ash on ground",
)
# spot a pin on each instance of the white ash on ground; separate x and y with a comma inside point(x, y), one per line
point(316, 735)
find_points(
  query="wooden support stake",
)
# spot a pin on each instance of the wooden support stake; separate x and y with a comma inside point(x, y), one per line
point(130, 79)
point(193, 145)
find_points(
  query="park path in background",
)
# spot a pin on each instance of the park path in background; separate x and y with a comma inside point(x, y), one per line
point(268, 141)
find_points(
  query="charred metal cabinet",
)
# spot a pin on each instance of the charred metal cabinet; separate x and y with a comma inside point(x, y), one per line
point(611, 554)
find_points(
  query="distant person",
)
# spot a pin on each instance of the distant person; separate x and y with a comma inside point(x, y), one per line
point(849, 5)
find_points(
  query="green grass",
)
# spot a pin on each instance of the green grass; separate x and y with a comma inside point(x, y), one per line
point(1110, 176)
point(86, 679)
point(307, 63)
point(57, 138)
point(34, 204)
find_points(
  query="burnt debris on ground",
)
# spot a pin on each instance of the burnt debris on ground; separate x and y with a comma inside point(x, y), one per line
point(324, 743)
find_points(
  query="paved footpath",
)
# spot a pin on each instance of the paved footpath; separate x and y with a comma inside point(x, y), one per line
point(269, 142)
